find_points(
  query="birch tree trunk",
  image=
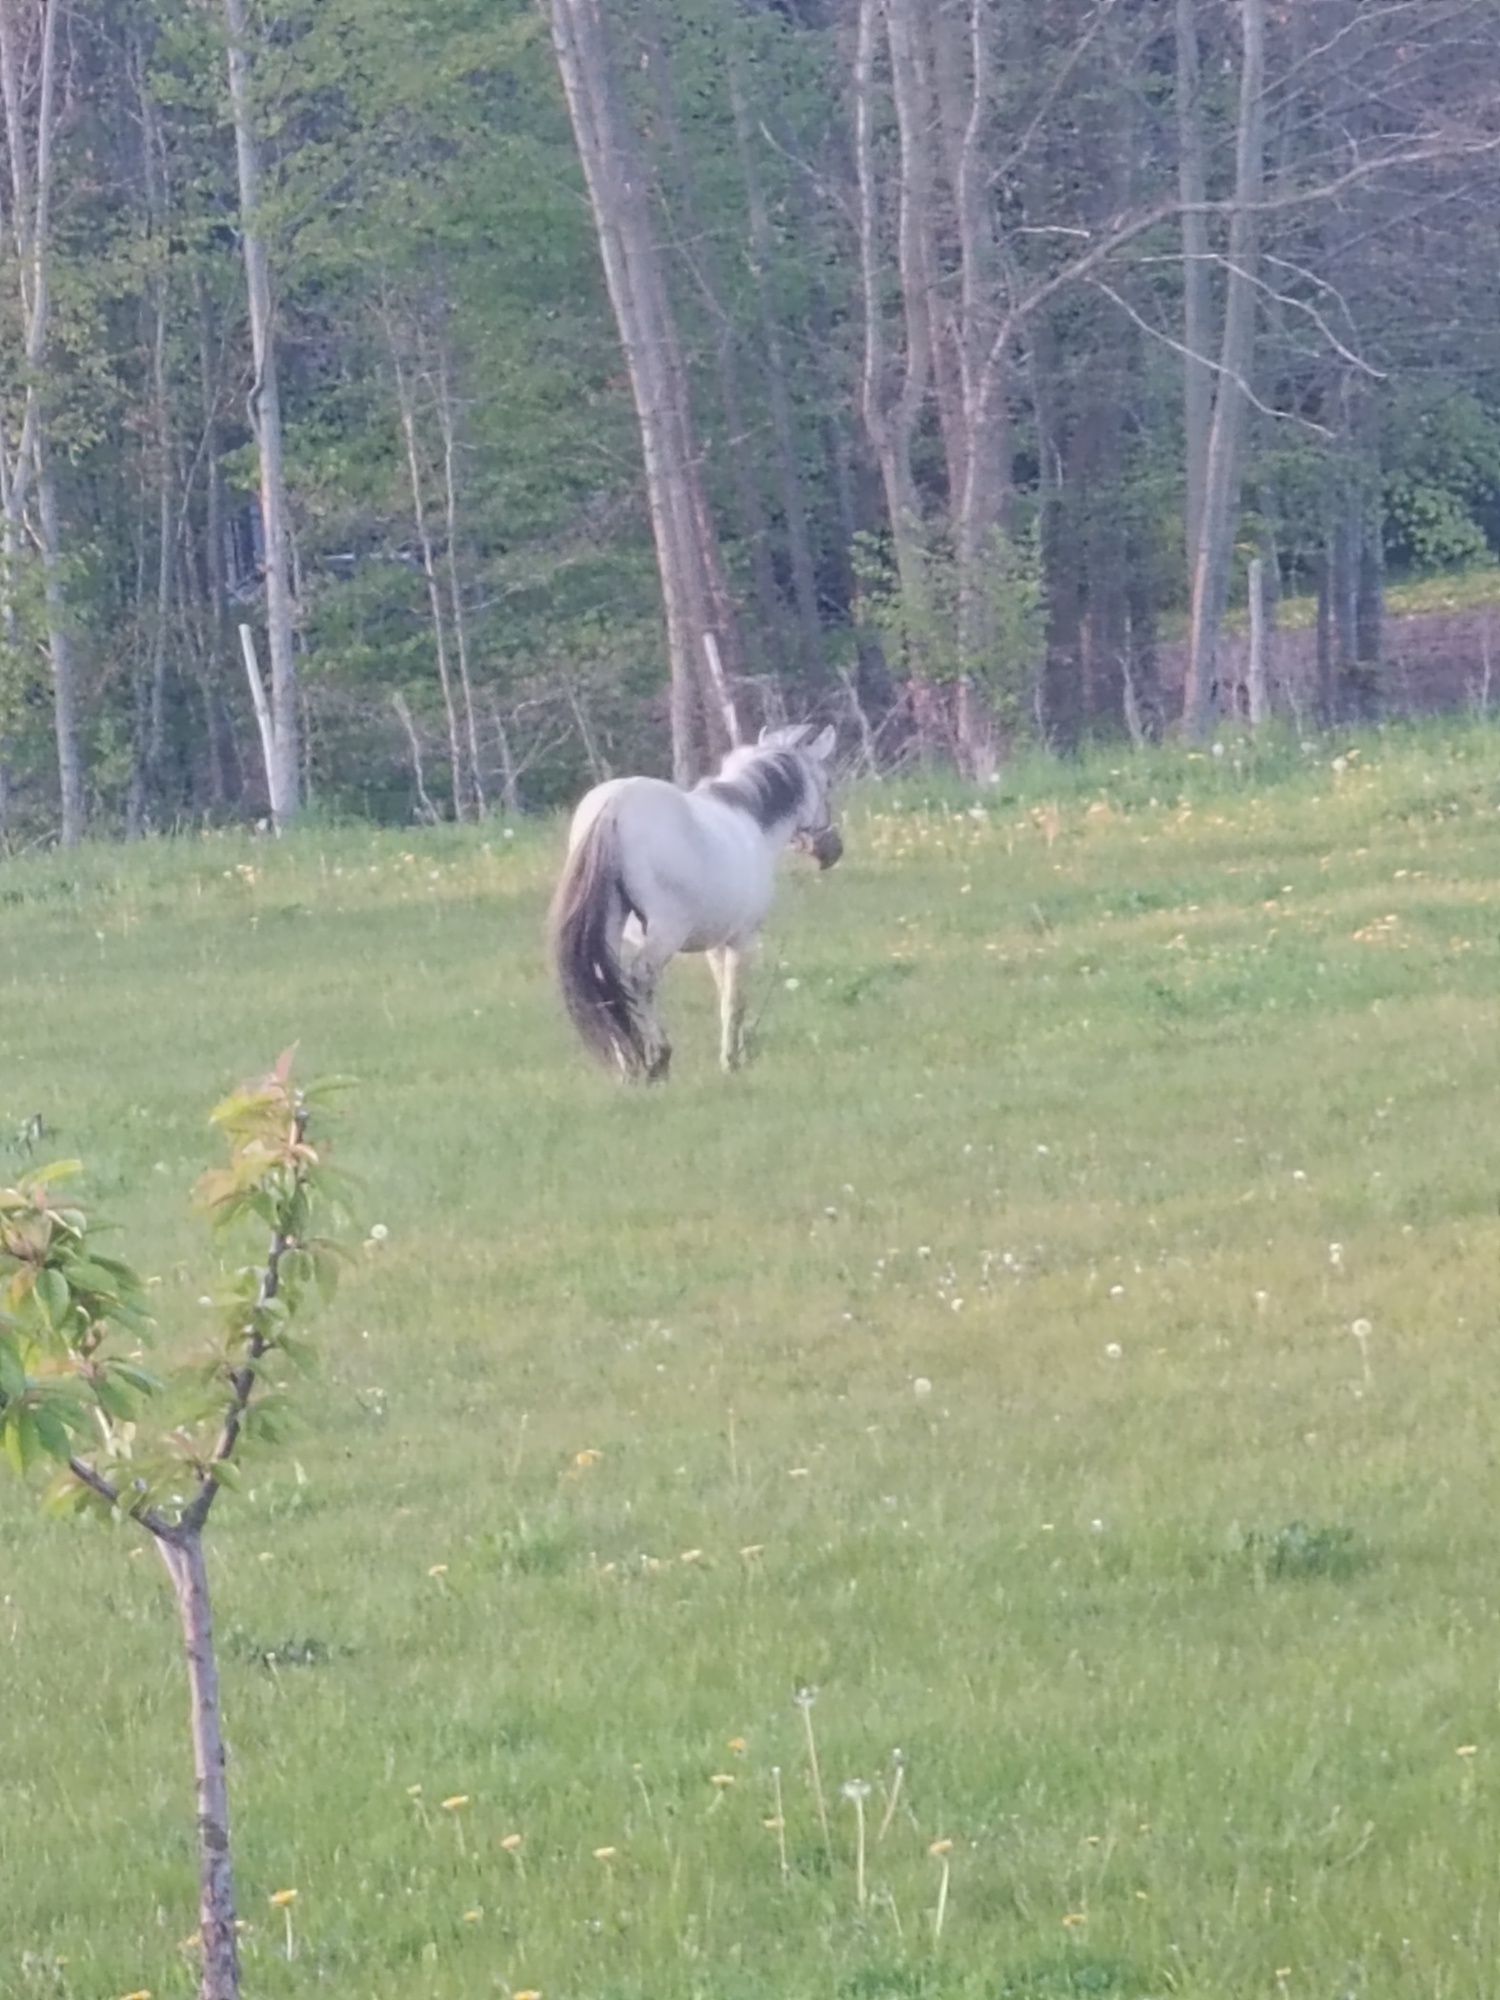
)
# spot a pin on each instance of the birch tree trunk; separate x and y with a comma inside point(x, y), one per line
point(1212, 558)
point(284, 771)
point(695, 589)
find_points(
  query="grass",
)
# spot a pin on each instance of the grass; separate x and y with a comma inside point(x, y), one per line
point(981, 1359)
point(1476, 587)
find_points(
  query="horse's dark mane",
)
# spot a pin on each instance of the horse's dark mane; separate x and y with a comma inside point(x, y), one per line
point(770, 787)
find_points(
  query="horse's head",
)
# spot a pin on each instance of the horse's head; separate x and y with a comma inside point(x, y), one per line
point(813, 828)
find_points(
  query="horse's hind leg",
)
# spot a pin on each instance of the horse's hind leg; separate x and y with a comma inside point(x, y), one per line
point(657, 948)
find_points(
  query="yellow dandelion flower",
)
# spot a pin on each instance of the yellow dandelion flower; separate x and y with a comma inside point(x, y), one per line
point(586, 1458)
point(1468, 1750)
point(738, 1745)
point(941, 1847)
point(1074, 1918)
point(527, 1993)
point(414, 1791)
point(457, 1803)
point(281, 1898)
point(438, 1569)
point(691, 1556)
point(142, 1993)
point(472, 1916)
point(605, 1853)
point(512, 1842)
point(722, 1779)
point(753, 1549)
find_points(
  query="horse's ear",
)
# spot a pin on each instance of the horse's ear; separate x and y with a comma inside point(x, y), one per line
point(822, 744)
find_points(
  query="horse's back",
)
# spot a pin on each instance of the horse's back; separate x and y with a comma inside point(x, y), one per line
point(688, 864)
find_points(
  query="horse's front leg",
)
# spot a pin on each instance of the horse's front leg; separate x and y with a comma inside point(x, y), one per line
point(728, 963)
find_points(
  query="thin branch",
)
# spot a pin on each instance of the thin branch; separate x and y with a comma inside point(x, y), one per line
point(1207, 361)
point(243, 1379)
point(1053, 91)
point(1127, 232)
point(1285, 299)
point(1356, 361)
point(105, 1490)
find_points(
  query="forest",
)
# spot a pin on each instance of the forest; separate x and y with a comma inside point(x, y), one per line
point(413, 408)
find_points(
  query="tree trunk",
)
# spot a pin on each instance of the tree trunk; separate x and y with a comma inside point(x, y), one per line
point(284, 775)
point(151, 721)
point(223, 751)
point(406, 412)
point(1226, 434)
point(31, 190)
point(1257, 670)
point(1197, 294)
point(219, 1975)
point(455, 587)
point(695, 590)
point(64, 659)
point(890, 422)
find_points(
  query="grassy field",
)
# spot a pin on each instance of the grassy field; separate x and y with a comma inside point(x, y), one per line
point(983, 1359)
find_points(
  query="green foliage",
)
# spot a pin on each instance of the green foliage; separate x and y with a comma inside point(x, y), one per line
point(1441, 454)
point(925, 627)
point(73, 1387)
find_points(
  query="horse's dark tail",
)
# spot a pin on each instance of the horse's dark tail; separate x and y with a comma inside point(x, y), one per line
point(585, 928)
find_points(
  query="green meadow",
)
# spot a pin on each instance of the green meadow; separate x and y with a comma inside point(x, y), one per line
point(1067, 1354)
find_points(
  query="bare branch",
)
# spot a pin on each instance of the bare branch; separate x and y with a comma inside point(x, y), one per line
point(1206, 360)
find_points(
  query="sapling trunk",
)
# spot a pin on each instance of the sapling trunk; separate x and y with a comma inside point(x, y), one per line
point(219, 1978)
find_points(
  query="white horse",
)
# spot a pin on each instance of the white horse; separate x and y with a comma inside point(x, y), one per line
point(671, 871)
